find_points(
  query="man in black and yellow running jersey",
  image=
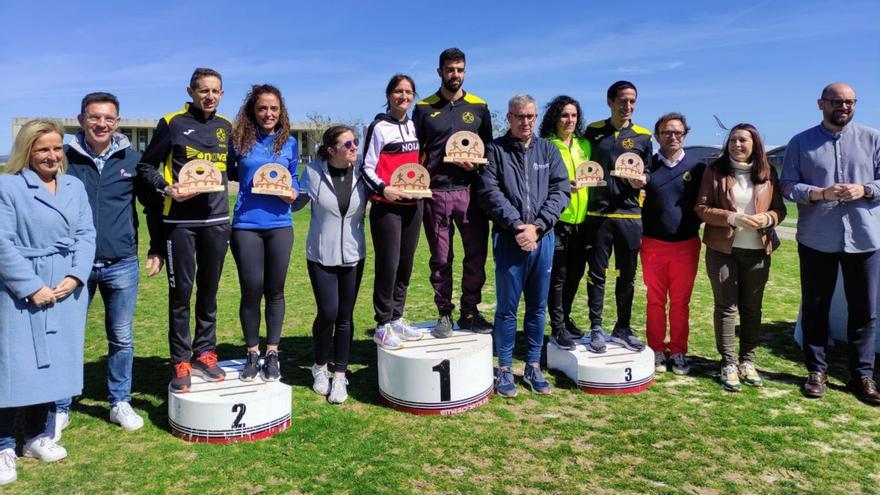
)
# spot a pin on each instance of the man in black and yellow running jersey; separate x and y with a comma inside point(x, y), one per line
point(614, 215)
point(436, 118)
point(196, 224)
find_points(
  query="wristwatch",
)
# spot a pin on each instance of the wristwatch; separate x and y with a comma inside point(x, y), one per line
point(869, 193)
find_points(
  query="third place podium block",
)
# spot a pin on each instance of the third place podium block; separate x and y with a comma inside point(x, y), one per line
point(617, 371)
point(437, 376)
point(231, 410)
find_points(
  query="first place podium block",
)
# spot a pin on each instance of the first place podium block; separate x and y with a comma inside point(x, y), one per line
point(231, 410)
point(437, 376)
point(617, 371)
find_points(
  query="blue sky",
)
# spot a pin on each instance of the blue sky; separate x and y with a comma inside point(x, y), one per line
point(761, 62)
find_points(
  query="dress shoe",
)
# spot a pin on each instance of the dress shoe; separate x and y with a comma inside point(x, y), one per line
point(866, 390)
point(814, 387)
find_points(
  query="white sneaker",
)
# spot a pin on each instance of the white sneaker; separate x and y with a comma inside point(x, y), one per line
point(386, 338)
point(321, 384)
point(62, 420)
point(402, 327)
point(7, 466)
point(338, 393)
point(124, 415)
point(44, 449)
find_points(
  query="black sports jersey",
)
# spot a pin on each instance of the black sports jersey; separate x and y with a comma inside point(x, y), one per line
point(618, 198)
point(437, 118)
point(180, 137)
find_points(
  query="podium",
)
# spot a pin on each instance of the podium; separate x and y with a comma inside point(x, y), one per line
point(437, 376)
point(231, 410)
point(617, 371)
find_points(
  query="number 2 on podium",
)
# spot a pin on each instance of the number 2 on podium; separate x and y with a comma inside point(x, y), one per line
point(240, 408)
point(443, 369)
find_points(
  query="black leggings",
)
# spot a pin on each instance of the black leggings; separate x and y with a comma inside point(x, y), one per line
point(336, 289)
point(395, 230)
point(262, 257)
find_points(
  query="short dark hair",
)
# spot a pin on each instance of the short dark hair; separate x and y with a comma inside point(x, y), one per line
point(666, 117)
point(98, 97)
point(451, 55)
point(619, 85)
point(201, 72)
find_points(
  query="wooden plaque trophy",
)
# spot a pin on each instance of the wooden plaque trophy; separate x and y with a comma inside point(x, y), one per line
point(200, 176)
point(589, 174)
point(465, 146)
point(413, 179)
point(629, 166)
point(272, 179)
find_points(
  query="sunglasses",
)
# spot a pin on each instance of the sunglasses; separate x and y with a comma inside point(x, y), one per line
point(351, 143)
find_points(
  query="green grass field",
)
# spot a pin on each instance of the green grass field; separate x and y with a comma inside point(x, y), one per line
point(683, 435)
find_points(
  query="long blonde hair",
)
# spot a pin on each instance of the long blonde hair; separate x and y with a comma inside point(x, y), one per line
point(20, 157)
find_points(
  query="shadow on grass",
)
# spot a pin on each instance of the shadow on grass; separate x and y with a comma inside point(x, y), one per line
point(778, 339)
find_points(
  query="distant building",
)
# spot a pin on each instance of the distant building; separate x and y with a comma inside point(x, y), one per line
point(140, 131)
point(709, 152)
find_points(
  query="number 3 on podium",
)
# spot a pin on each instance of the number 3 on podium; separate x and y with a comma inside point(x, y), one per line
point(443, 369)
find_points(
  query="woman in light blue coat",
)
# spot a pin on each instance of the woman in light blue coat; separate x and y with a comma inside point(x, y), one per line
point(47, 245)
point(335, 251)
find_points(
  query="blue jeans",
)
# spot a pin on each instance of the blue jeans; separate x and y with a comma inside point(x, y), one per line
point(520, 273)
point(35, 421)
point(118, 284)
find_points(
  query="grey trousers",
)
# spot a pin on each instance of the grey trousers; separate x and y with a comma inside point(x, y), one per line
point(738, 281)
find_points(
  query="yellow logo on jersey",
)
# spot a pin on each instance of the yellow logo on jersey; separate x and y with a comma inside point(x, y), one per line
point(628, 144)
point(467, 118)
point(687, 176)
point(221, 135)
point(211, 157)
point(434, 114)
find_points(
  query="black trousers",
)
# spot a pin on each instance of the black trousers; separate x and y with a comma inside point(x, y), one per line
point(395, 230)
point(262, 257)
point(194, 255)
point(336, 289)
point(569, 264)
point(861, 277)
point(624, 236)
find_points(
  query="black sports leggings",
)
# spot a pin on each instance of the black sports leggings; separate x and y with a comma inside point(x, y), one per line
point(262, 257)
point(336, 290)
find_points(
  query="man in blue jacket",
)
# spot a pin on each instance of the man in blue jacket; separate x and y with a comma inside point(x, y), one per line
point(524, 189)
point(106, 164)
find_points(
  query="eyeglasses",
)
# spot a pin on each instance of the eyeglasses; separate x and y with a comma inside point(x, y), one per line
point(351, 143)
point(524, 117)
point(668, 134)
point(839, 103)
point(100, 119)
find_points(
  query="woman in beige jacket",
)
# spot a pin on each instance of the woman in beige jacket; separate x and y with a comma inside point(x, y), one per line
point(741, 202)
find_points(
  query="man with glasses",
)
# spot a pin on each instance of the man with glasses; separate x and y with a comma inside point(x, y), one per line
point(105, 162)
point(832, 171)
point(614, 218)
point(524, 188)
point(436, 118)
point(670, 248)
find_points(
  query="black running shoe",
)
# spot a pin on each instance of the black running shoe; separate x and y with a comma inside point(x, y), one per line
point(573, 330)
point(625, 337)
point(180, 378)
point(251, 367)
point(271, 370)
point(597, 339)
point(474, 321)
point(563, 339)
point(205, 366)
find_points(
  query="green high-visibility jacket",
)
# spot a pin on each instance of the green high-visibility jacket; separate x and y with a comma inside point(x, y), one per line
point(574, 155)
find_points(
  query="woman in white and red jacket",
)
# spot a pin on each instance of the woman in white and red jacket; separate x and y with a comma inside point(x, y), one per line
point(395, 217)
